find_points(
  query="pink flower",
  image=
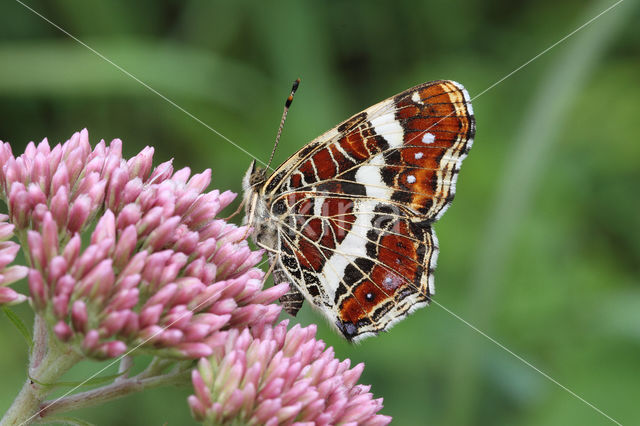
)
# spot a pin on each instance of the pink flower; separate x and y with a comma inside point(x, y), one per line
point(157, 271)
point(9, 274)
point(125, 257)
point(273, 376)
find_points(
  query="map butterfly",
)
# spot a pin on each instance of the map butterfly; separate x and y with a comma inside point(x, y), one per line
point(347, 220)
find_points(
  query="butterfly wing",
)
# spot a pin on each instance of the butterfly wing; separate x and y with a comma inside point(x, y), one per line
point(355, 206)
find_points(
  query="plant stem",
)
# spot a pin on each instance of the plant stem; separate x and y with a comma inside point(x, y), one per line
point(49, 360)
point(126, 363)
point(40, 336)
point(155, 367)
point(112, 391)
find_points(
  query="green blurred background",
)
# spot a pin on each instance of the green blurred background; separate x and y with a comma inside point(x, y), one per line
point(540, 250)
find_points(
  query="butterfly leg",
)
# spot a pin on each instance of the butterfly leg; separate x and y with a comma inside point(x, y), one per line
point(291, 301)
point(235, 213)
point(272, 265)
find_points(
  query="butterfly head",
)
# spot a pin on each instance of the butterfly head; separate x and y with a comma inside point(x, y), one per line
point(251, 182)
point(253, 178)
point(258, 216)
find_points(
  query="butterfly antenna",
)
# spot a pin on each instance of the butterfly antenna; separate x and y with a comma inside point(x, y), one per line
point(287, 104)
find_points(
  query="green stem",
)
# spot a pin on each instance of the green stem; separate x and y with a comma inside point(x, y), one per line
point(22, 239)
point(39, 348)
point(112, 391)
point(156, 366)
point(50, 359)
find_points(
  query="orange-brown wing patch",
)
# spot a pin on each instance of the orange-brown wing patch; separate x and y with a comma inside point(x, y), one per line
point(439, 126)
point(317, 225)
point(393, 278)
point(423, 135)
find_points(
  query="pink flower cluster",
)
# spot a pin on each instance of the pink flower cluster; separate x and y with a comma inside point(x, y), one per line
point(159, 271)
point(279, 377)
point(9, 274)
point(124, 256)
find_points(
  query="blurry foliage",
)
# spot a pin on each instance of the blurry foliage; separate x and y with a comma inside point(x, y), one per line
point(568, 298)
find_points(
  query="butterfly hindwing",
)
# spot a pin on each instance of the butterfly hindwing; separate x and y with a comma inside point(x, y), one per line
point(353, 208)
point(392, 280)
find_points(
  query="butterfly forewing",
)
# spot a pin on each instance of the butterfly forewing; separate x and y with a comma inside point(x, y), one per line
point(353, 208)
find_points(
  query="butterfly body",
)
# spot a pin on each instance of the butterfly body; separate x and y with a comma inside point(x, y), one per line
point(347, 219)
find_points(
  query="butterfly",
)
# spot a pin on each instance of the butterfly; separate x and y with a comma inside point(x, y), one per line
point(347, 220)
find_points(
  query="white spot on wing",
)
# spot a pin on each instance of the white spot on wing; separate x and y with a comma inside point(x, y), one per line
point(416, 98)
point(411, 179)
point(428, 138)
point(391, 282)
point(387, 126)
point(418, 155)
point(369, 175)
point(318, 202)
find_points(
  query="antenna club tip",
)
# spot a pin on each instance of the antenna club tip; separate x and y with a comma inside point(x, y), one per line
point(296, 83)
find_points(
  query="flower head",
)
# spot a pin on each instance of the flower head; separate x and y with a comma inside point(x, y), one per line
point(9, 274)
point(272, 376)
point(124, 255)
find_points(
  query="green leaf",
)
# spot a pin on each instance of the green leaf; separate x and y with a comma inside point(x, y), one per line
point(20, 325)
point(64, 68)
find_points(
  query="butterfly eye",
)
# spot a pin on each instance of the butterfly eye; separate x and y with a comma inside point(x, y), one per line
point(257, 176)
point(279, 207)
